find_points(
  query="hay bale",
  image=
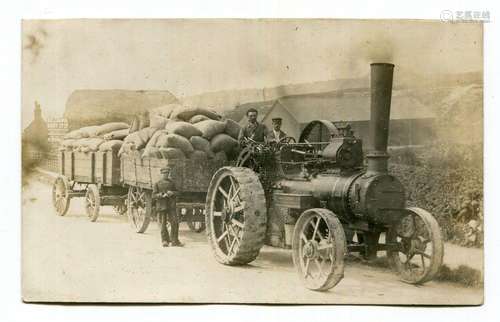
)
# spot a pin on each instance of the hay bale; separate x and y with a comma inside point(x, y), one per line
point(110, 127)
point(157, 121)
point(201, 144)
point(232, 129)
point(112, 145)
point(198, 118)
point(210, 128)
point(175, 141)
point(151, 152)
point(186, 113)
point(116, 135)
point(185, 129)
point(223, 142)
point(171, 153)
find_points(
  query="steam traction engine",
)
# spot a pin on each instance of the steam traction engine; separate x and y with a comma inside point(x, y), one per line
point(319, 197)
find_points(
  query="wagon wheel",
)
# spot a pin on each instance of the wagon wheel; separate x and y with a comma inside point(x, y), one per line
point(418, 252)
point(139, 208)
point(196, 226)
point(92, 202)
point(60, 195)
point(319, 246)
point(235, 215)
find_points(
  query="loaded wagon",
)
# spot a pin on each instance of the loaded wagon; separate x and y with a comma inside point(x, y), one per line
point(126, 183)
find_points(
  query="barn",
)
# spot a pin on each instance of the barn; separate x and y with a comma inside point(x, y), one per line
point(412, 122)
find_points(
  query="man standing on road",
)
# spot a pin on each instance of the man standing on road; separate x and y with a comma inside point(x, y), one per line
point(253, 130)
point(165, 192)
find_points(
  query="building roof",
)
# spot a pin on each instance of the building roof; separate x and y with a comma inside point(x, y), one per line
point(94, 106)
point(350, 106)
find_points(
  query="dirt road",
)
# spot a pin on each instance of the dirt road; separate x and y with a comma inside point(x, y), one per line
point(71, 259)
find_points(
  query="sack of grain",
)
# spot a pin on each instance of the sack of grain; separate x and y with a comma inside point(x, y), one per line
point(127, 147)
point(165, 110)
point(146, 133)
point(116, 135)
point(223, 142)
point(144, 120)
point(157, 121)
point(110, 127)
point(151, 152)
point(175, 141)
point(186, 113)
point(201, 144)
point(232, 128)
point(73, 135)
point(199, 155)
point(79, 143)
point(198, 118)
point(171, 153)
point(93, 144)
point(89, 131)
point(220, 157)
point(111, 145)
point(141, 137)
point(210, 128)
point(68, 144)
point(185, 129)
point(154, 138)
point(134, 127)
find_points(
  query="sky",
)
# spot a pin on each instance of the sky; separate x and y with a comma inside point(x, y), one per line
point(188, 57)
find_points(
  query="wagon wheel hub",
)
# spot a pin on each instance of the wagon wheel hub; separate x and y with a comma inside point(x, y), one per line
point(311, 250)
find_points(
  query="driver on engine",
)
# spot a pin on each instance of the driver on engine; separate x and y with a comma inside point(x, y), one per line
point(253, 130)
point(276, 135)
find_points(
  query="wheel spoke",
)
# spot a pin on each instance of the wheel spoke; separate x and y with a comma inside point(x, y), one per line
point(318, 265)
point(316, 227)
point(237, 223)
point(241, 207)
point(224, 193)
point(303, 237)
point(325, 246)
point(306, 268)
point(424, 254)
point(222, 236)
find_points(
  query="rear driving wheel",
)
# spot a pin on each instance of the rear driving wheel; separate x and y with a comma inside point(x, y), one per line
point(416, 247)
point(139, 203)
point(235, 215)
point(92, 202)
point(319, 246)
point(60, 195)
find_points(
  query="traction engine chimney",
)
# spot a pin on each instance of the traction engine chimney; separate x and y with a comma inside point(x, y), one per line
point(380, 109)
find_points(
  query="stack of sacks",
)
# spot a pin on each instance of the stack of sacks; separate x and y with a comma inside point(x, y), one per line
point(178, 132)
point(90, 138)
